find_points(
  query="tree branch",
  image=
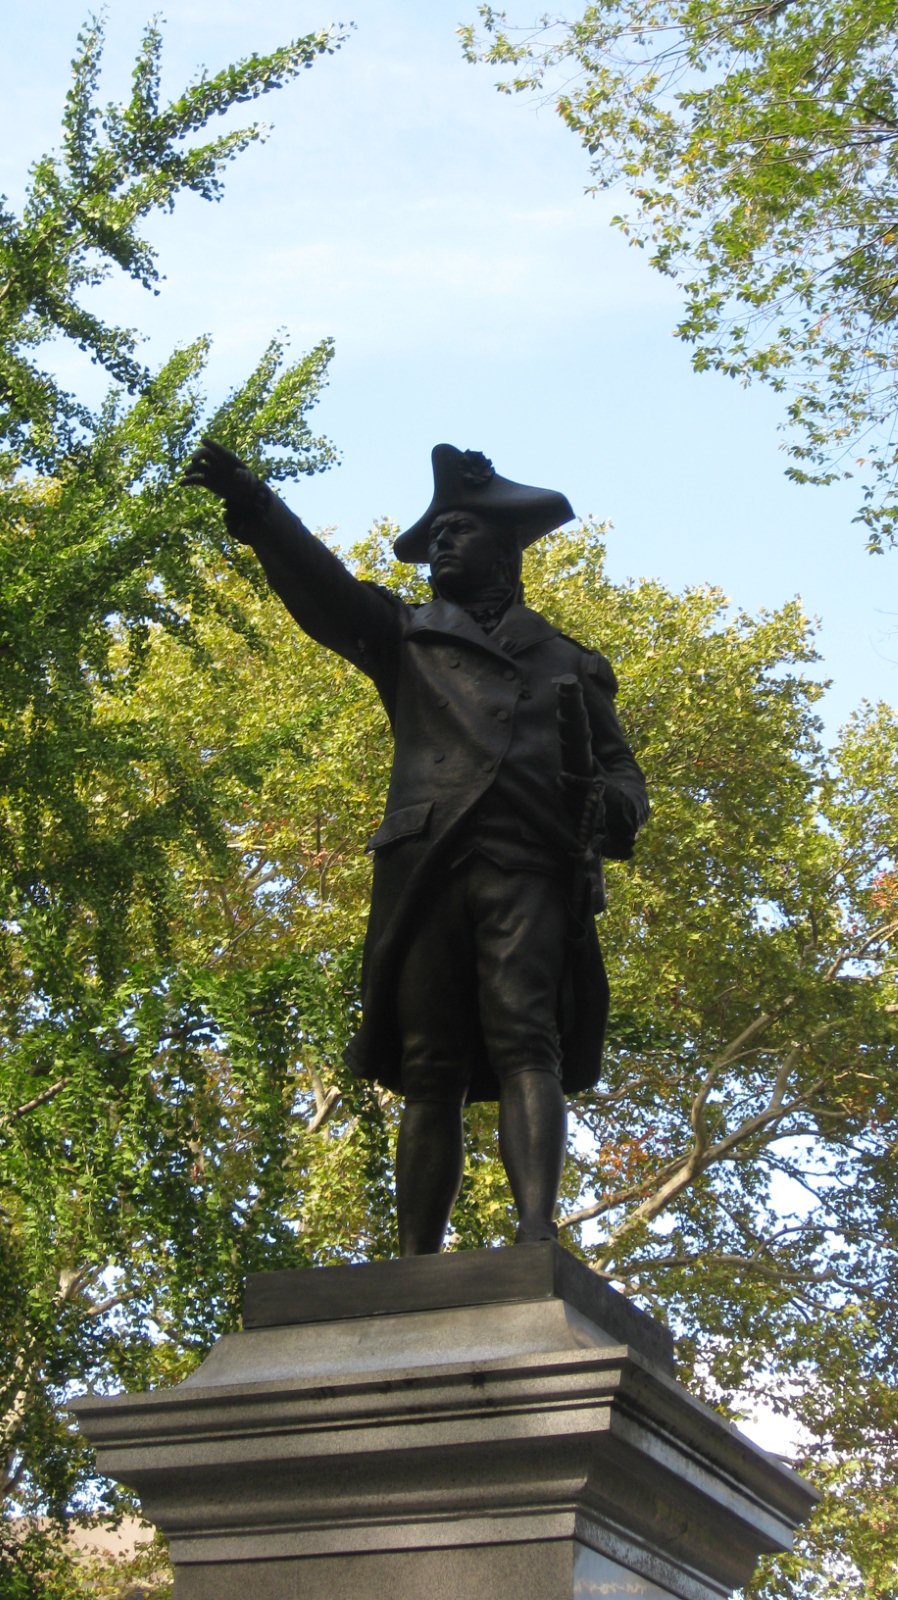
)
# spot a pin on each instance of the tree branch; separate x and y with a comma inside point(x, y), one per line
point(325, 1110)
point(326, 1100)
point(9, 1117)
point(885, 931)
point(660, 1189)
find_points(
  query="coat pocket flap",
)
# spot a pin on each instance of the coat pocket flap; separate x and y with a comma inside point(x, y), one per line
point(404, 824)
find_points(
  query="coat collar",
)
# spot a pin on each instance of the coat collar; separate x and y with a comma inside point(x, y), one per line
point(519, 629)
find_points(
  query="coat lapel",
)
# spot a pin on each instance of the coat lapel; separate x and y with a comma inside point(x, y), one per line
point(519, 629)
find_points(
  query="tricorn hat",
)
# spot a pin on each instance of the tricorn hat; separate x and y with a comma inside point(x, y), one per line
point(465, 480)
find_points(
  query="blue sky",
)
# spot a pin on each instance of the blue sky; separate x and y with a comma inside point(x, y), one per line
point(440, 233)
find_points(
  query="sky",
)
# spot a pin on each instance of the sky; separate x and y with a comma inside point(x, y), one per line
point(439, 232)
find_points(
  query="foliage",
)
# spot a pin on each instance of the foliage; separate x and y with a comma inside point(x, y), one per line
point(42, 1559)
point(80, 220)
point(735, 1170)
point(759, 143)
point(111, 1091)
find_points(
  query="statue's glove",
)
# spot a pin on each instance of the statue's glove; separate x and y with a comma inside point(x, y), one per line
point(245, 496)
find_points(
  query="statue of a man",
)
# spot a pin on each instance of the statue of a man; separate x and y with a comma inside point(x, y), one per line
point(482, 975)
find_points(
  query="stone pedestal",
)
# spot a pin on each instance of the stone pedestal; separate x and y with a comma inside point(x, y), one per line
point(495, 1423)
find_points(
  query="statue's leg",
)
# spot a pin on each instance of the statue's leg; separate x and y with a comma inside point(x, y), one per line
point(437, 1011)
point(430, 1160)
point(521, 953)
point(532, 1143)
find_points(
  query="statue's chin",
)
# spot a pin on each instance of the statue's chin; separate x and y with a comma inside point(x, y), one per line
point(453, 586)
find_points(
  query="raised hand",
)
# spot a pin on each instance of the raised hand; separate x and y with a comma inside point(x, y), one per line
point(214, 468)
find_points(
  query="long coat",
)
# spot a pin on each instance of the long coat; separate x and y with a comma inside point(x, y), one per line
point(471, 712)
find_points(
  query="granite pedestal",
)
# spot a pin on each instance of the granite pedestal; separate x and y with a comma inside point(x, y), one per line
point(496, 1423)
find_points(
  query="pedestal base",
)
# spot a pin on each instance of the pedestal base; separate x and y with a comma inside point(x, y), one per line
point(495, 1422)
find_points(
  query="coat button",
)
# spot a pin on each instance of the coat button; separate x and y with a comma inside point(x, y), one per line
point(488, 766)
point(510, 674)
point(455, 661)
point(440, 756)
point(444, 701)
point(502, 716)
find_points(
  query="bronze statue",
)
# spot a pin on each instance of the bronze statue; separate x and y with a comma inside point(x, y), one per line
point(482, 975)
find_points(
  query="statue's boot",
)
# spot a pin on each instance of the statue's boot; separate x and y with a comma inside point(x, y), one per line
point(534, 1232)
point(429, 1164)
point(532, 1142)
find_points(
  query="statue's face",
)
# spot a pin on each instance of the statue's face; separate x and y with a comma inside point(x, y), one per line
point(464, 553)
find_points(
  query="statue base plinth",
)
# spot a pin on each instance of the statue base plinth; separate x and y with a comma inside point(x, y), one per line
point(497, 1422)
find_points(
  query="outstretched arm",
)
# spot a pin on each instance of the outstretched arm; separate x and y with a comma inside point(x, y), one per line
point(356, 619)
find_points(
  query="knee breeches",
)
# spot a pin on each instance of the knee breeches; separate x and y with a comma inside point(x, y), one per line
point(483, 970)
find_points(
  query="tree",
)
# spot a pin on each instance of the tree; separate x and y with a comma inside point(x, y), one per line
point(736, 1167)
point(759, 143)
point(102, 812)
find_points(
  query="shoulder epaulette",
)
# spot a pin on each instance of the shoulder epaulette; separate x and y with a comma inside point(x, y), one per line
point(600, 668)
